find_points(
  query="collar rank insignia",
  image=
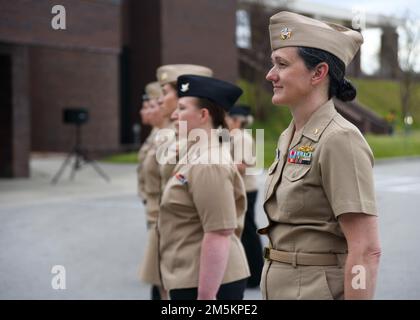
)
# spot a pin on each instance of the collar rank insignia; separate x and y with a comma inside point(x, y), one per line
point(181, 178)
point(303, 155)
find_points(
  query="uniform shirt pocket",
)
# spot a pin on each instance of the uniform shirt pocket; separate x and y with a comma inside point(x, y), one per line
point(295, 172)
point(290, 194)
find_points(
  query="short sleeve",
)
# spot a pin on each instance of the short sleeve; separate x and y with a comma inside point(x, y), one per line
point(346, 164)
point(211, 186)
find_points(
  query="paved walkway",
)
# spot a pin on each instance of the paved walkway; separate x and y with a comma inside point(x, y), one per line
point(96, 230)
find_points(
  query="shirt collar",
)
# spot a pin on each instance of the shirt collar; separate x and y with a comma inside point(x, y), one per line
point(313, 129)
point(319, 120)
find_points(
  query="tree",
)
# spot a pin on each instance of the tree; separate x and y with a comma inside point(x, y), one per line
point(409, 51)
point(255, 59)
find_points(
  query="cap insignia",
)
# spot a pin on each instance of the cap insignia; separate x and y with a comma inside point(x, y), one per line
point(185, 87)
point(285, 33)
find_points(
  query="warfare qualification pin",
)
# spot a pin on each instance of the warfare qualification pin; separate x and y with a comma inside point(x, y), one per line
point(285, 33)
point(306, 148)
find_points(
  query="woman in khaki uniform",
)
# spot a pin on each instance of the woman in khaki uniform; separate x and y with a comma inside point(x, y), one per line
point(144, 116)
point(242, 151)
point(319, 195)
point(167, 76)
point(203, 204)
point(149, 271)
point(162, 104)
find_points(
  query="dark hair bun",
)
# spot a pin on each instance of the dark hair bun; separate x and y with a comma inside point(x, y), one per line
point(346, 91)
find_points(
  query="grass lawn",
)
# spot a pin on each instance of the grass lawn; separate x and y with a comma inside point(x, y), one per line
point(399, 145)
point(130, 157)
point(382, 96)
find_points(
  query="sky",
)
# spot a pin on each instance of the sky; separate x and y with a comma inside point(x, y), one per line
point(387, 7)
point(371, 46)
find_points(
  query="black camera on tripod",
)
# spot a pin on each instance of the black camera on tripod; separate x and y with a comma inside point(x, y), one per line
point(76, 116)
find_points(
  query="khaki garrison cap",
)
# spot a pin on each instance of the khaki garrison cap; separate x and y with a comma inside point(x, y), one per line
point(171, 72)
point(289, 29)
point(153, 90)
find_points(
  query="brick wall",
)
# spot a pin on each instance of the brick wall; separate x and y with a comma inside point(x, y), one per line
point(78, 66)
point(92, 24)
point(142, 36)
point(201, 32)
point(178, 31)
point(73, 78)
point(21, 112)
point(82, 66)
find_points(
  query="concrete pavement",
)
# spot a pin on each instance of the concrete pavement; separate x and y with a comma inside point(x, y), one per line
point(97, 231)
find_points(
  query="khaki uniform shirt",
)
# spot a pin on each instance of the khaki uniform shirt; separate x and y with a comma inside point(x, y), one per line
point(152, 179)
point(200, 198)
point(176, 149)
point(242, 151)
point(141, 156)
point(169, 152)
point(305, 195)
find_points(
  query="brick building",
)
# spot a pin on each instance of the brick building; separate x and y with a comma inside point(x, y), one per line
point(109, 50)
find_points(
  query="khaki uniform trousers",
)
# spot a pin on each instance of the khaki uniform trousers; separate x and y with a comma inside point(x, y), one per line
point(294, 281)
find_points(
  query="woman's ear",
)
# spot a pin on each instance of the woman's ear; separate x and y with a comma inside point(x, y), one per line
point(205, 114)
point(320, 73)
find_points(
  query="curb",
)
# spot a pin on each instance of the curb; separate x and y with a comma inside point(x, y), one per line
point(397, 160)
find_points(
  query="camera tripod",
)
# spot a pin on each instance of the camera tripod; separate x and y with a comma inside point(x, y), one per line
point(81, 158)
